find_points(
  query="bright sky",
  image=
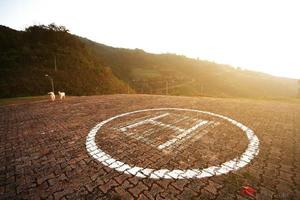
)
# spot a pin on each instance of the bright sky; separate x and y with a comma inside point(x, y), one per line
point(262, 35)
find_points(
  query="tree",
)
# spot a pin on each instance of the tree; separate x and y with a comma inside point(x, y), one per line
point(56, 28)
point(50, 27)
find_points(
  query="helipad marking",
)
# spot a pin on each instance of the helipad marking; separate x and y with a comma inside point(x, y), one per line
point(231, 165)
point(143, 137)
point(152, 120)
point(182, 135)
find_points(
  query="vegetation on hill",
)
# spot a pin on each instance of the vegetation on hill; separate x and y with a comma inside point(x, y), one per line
point(84, 67)
point(26, 56)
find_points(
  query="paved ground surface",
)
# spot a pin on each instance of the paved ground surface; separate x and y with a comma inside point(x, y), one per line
point(43, 153)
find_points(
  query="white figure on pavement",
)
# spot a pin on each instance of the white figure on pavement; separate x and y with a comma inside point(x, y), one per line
point(52, 96)
point(62, 95)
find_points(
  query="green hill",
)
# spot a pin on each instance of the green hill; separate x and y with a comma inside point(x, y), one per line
point(85, 67)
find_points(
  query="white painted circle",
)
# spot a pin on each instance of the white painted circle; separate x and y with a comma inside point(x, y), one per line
point(231, 165)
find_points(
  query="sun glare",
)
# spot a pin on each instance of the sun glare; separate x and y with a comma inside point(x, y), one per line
point(257, 35)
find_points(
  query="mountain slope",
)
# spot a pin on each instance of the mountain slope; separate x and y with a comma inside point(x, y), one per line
point(27, 56)
point(201, 77)
point(85, 68)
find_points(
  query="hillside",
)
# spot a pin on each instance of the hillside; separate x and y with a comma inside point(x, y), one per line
point(86, 68)
point(26, 56)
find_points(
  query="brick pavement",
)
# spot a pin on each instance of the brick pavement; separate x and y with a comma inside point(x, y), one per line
point(43, 153)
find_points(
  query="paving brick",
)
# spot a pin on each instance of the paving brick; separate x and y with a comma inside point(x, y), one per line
point(43, 152)
point(137, 190)
point(122, 193)
point(108, 186)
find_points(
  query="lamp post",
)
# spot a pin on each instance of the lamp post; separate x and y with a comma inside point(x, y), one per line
point(51, 80)
point(128, 87)
point(136, 89)
point(55, 62)
point(298, 88)
point(167, 87)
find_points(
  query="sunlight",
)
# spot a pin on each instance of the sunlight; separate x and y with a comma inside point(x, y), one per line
point(149, 99)
point(257, 35)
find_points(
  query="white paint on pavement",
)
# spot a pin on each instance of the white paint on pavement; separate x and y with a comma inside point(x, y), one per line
point(231, 165)
point(150, 120)
point(182, 135)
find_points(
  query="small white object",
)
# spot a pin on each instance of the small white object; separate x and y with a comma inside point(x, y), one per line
point(62, 95)
point(52, 96)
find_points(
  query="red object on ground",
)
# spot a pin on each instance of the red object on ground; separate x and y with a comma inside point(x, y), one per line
point(248, 191)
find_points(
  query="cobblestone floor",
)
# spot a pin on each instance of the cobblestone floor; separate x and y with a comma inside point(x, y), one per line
point(43, 151)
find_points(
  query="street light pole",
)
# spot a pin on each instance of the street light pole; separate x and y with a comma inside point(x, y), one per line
point(51, 80)
point(299, 88)
point(55, 63)
point(167, 87)
point(127, 87)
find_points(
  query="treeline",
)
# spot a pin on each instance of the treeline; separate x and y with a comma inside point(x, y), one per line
point(26, 56)
point(186, 76)
point(84, 67)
